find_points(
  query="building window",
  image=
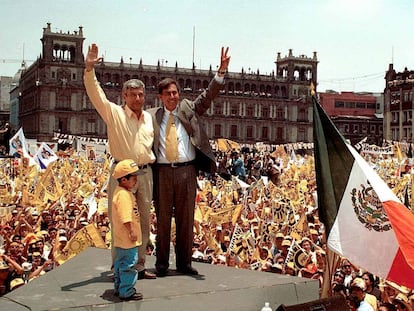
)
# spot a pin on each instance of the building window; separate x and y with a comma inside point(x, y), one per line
point(265, 112)
point(302, 115)
point(301, 134)
point(74, 76)
point(360, 105)
point(355, 129)
point(280, 114)
point(339, 104)
point(63, 101)
point(250, 111)
point(407, 133)
point(91, 126)
point(218, 109)
point(372, 129)
point(53, 75)
point(349, 105)
point(63, 125)
point(364, 128)
point(233, 131)
point(265, 133)
point(407, 116)
point(234, 109)
point(249, 132)
point(395, 117)
point(284, 92)
point(395, 98)
point(217, 130)
point(393, 134)
point(279, 133)
point(406, 96)
point(346, 128)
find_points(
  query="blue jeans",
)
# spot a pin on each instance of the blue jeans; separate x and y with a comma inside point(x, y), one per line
point(125, 274)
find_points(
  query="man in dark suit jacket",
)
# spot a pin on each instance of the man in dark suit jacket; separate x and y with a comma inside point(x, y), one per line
point(175, 181)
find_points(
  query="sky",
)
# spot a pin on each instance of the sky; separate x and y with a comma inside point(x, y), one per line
point(355, 40)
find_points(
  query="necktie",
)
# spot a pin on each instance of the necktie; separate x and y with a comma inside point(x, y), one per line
point(171, 142)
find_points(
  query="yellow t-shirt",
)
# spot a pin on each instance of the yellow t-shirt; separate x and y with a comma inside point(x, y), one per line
point(124, 209)
point(372, 300)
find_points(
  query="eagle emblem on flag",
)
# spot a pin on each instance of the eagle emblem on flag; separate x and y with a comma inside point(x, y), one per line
point(369, 209)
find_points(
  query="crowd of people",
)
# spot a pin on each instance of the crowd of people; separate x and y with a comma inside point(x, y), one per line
point(247, 223)
point(258, 211)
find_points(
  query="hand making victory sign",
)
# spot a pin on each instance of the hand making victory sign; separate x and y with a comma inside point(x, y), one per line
point(224, 61)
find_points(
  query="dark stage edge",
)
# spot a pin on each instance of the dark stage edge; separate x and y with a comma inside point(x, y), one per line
point(83, 283)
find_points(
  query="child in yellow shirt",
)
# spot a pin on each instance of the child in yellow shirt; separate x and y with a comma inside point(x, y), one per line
point(126, 230)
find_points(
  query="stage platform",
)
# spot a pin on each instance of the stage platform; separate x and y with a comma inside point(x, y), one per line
point(84, 283)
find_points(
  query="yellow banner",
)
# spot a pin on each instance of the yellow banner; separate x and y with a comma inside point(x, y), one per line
point(224, 215)
point(85, 237)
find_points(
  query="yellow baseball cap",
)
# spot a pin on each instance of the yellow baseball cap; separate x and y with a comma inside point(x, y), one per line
point(125, 167)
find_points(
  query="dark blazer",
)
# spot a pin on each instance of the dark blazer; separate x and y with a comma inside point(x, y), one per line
point(190, 114)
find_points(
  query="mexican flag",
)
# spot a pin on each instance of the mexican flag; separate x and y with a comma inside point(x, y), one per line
point(363, 218)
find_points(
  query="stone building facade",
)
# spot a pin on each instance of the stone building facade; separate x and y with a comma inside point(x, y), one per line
point(399, 105)
point(274, 108)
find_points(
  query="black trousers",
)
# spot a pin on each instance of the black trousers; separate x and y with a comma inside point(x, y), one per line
point(174, 195)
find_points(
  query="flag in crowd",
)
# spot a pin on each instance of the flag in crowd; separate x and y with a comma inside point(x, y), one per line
point(84, 238)
point(364, 219)
point(18, 146)
point(45, 155)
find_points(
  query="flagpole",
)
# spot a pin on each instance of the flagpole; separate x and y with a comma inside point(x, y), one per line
point(332, 260)
point(193, 44)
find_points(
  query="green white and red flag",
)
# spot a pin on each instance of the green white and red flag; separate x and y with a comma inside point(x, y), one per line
point(363, 218)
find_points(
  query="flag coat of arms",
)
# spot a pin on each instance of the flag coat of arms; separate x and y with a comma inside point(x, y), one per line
point(364, 220)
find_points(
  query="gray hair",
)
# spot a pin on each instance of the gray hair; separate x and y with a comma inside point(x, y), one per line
point(132, 84)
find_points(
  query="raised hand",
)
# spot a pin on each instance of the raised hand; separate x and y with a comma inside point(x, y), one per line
point(224, 60)
point(92, 57)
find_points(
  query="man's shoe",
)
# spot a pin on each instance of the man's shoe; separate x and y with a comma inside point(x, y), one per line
point(144, 274)
point(161, 273)
point(136, 296)
point(188, 270)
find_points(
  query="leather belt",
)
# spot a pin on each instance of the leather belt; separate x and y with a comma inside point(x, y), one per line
point(177, 164)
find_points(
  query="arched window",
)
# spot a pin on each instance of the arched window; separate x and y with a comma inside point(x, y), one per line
point(230, 88)
point(72, 54)
point(188, 85)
